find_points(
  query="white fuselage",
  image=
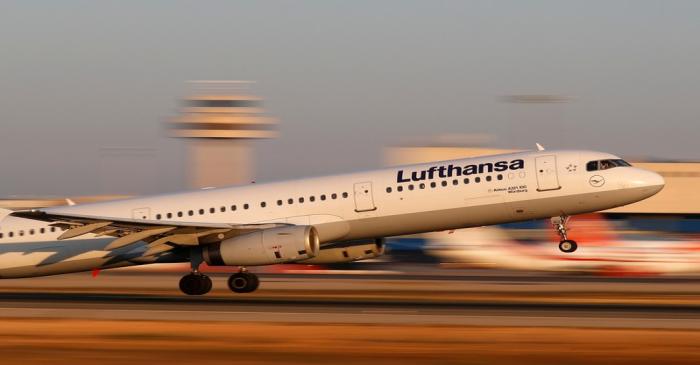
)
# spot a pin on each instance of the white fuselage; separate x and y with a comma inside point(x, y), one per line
point(388, 202)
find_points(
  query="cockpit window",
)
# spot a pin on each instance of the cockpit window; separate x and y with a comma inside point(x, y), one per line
point(592, 166)
point(622, 163)
point(606, 164)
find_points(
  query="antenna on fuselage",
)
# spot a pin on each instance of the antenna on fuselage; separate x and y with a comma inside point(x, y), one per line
point(539, 147)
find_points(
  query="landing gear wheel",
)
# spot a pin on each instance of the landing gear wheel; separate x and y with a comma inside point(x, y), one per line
point(195, 284)
point(568, 246)
point(243, 282)
point(559, 224)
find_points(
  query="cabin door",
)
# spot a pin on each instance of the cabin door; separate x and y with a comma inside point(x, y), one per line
point(547, 178)
point(364, 201)
point(141, 213)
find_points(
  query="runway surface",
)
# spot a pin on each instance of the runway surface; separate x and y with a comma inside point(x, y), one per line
point(376, 299)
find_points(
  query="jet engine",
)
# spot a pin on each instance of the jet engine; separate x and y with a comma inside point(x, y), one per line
point(264, 247)
point(347, 252)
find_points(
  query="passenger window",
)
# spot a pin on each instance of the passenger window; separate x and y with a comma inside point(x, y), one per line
point(399, 188)
point(313, 198)
point(488, 178)
point(323, 196)
point(279, 202)
point(334, 195)
point(201, 212)
point(499, 177)
point(179, 214)
point(444, 183)
point(190, 212)
point(11, 234)
point(53, 229)
point(246, 206)
point(222, 209)
point(158, 216)
point(388, 189)
point(345, 194)
point(212, 210)
point(0, 235)
point(410, 186)
point(422, 186)
point(42, 230)
point(169, 215)
point(466, 180)
point(263, 204)
point(31, 231)
point(477, 179)
point(290, 201)
point(233, 208)
point(455, 182)
point(301, 200)
point(433, 184)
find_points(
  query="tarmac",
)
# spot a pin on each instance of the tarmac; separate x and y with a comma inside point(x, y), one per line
point(417, 317)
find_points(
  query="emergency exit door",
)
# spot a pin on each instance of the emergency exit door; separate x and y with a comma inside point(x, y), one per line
point(364, 201)
point(547, 178)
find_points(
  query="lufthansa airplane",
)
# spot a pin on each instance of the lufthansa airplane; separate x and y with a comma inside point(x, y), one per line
point(330, 219)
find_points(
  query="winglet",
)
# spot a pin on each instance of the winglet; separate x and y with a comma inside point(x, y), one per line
point(70, 201)
point(539, 147)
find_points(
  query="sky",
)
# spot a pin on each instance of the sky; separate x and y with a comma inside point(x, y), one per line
point(80, 80)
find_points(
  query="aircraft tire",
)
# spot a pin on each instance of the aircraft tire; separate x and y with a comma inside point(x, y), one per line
point(568, 246)
point(243, 282)
point(195, 284)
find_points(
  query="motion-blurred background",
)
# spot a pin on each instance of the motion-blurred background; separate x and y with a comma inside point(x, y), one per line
point(101, 100)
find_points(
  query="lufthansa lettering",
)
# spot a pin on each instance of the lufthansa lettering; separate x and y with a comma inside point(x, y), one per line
point(452, 170)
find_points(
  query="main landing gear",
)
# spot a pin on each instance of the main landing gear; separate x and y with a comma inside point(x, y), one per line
point(196, 283)
point(243, 282)
point(565, 245)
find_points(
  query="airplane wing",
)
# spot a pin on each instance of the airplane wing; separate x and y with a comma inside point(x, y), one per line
point(160, 235)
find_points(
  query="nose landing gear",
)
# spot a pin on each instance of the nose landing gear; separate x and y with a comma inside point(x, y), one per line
point(565, 245)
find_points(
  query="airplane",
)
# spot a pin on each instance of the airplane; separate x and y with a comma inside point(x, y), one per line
point(331, 219)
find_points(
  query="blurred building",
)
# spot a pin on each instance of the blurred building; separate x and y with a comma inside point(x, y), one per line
point(678, 196)
point(219, 119)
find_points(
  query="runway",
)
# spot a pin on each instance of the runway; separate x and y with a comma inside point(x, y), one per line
point(446, 317)
point(426, 300)
point(144, 307)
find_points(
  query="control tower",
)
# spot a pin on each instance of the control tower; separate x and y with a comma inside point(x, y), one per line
point(219, 120)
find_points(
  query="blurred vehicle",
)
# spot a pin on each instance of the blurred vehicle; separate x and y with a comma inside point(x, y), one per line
point(603, 250)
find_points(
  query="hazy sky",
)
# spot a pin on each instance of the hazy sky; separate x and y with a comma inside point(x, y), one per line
point(81, 78)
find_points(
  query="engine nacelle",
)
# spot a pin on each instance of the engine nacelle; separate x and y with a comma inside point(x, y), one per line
point(264, 247)
point(340, 252)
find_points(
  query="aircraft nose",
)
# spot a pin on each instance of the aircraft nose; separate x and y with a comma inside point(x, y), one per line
point(650, 181)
